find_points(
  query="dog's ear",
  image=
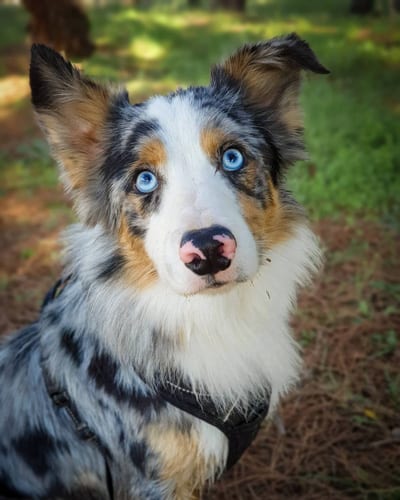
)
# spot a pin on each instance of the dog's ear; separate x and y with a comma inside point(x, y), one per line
point(73, 112)
point(268, 74)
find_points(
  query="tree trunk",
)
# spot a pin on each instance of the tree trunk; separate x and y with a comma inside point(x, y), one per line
point(61, 24)
point(237, 5)
point(361, 6)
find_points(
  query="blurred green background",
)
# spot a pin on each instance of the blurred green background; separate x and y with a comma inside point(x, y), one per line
point(351, 116)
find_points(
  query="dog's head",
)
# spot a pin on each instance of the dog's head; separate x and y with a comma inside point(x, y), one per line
point(189, 184)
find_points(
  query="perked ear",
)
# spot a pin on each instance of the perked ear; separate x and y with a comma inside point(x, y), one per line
point(268, 76)
point(73, 111)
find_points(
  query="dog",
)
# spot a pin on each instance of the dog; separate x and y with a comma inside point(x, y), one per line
point(166, 341)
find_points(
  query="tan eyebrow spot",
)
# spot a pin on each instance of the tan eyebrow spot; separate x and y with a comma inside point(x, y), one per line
point(153, 153)
point(211, 140)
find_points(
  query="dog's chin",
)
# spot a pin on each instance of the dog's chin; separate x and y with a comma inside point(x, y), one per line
point(209, 285)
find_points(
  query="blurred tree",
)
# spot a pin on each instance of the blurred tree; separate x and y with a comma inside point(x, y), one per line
point(61, 24)
point(361, 6)
point(367, 6)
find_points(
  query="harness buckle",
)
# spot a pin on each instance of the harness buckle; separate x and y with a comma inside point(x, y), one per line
point(84, 432)
point(60, 399)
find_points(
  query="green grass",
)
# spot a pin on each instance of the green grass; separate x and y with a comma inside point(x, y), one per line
point(351, 116)
point(27, 168)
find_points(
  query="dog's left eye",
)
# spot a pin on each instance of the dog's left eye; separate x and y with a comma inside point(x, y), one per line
point(232, 160)
point(146, 182)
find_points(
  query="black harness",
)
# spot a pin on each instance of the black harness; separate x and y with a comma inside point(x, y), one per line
point(238, 428)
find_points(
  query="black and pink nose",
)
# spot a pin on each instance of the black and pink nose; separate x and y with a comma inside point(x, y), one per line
point(208, 250)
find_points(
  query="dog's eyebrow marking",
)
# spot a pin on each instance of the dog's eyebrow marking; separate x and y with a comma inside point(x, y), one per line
point(153, 153)
point(211, 140)
point(71, 345)
point(141, 130)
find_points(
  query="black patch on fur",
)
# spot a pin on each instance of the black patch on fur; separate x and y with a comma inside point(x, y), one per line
point(117, 162)
point(35, 448)
point(58, 490)
point(151, 202)
point(43, 58)
point(103, 370)
point(24, 343)
point(52, 316)
point(272, 156)
point(8, 491)
point(111, 267)
point(143, 129)
point(134, 224)
point(70, 344)
point(137, 453)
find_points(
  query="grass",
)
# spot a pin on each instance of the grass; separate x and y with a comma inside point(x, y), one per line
point(351, 116)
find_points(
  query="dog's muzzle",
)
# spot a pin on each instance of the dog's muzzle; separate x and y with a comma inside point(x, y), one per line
point(208, 250)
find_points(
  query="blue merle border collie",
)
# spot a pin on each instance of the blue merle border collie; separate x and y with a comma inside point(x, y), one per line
point(167, 340)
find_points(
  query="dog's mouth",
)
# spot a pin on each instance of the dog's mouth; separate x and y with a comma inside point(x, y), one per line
point(213, 283)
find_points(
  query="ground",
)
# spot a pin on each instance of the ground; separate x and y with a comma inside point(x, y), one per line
point(338, 435)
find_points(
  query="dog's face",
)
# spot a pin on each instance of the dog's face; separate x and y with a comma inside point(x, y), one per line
point(190, 183)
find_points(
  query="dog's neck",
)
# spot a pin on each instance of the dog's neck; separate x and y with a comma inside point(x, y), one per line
point(231, 344)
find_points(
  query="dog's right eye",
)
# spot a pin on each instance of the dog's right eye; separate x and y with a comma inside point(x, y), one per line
point(146, 182)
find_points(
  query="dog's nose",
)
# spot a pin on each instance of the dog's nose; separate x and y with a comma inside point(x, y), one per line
point(208, 250)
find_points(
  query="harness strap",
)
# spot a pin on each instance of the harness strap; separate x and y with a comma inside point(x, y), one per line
point(238, 428)
point(61, 399)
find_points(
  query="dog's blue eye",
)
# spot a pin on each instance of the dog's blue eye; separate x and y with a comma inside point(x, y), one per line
point(146, 182)
point(232, 160)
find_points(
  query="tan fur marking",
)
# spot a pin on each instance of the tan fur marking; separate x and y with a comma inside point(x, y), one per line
point(211, 140)
point(268, 81)
point(153, 153)
point(75, 126)
point(272, 225)
point(181, 460)
point(139, 270)
point(290, 111)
